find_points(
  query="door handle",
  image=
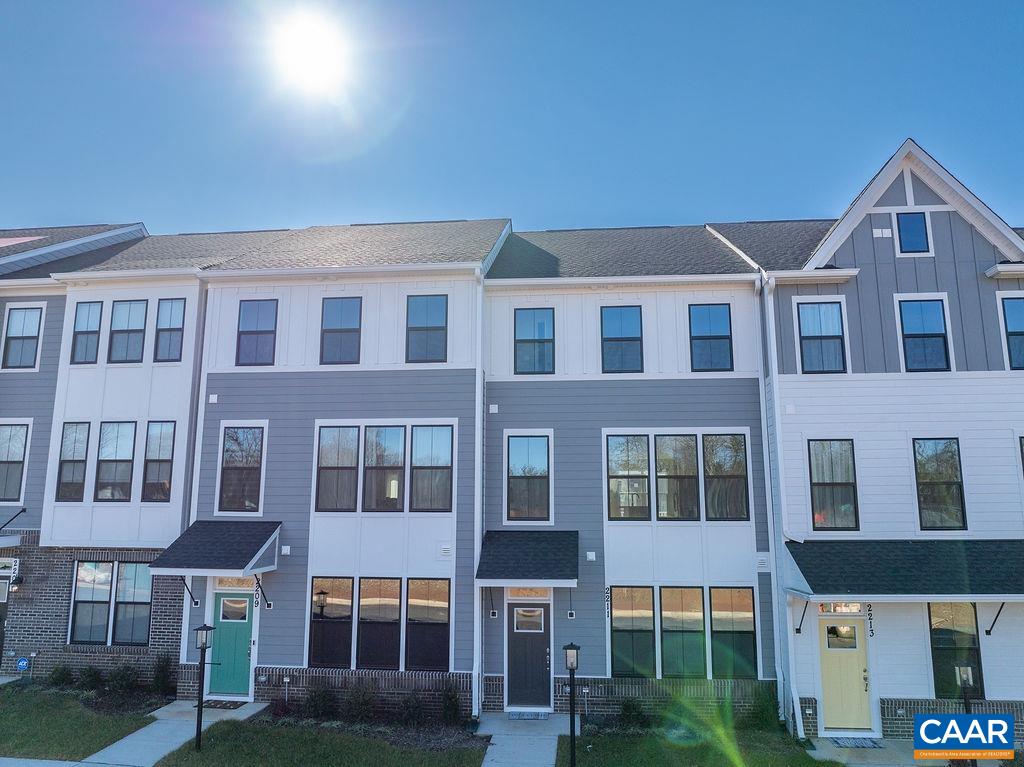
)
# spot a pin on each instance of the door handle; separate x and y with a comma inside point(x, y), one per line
point(547, 658)
point(865, 680)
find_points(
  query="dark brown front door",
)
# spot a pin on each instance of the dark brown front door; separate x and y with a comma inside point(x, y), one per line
point(529, 655)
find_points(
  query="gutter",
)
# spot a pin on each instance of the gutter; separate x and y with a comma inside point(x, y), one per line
point(610, 282)
point(478, 510)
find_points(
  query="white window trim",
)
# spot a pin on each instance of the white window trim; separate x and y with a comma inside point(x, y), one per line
point(937, 433)
point(834, 299)
point(28, 449)
point(944, 297)
point(619, 302)
point(535, 303)
point(1000, 295)
point(265, 424)
point(550, 434)
point(111, 603)
point(686, 337)
point(897, 247)
point(39, 342)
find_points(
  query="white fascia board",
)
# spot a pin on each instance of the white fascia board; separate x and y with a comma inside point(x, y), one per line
point(791, 276)
point(569, 583)
point(315, 271)
point(199, 572)
point(138, 228)
point(613, 282)
point(35, 285)
point(486, 265)
point(811, 597)
point(118, 275)
point(1005, 271)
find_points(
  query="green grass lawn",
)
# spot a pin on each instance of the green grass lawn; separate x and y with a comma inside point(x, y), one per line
point(254, 744)
point(750, 749)
point(42, 723)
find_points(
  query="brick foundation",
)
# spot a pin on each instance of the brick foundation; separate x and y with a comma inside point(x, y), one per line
point(898, 713)
point(39, 611)
point(809, 713)
point(494, 693)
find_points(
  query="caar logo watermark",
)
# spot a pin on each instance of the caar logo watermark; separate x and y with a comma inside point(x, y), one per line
point(963, 736)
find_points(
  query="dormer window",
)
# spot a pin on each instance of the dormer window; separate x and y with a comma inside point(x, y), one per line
point(912, 229)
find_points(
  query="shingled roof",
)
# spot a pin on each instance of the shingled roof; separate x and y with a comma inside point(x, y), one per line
point(777, 245)
point(529, 555)
point(14, 241)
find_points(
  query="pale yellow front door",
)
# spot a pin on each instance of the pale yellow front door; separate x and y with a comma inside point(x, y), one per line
point(844, 674)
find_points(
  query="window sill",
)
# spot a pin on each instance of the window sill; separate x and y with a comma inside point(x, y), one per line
point(106, 649)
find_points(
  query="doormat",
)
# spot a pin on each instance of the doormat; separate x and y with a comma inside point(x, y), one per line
point(856, 742)
point(223, 705)
point(527, 715)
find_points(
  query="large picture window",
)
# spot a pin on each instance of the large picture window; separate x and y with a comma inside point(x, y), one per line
point(940, 488)
point(632, 631)
point(426, 624)
point(822, 348)
point(337, 468)
point(628, 477)
point(132, 604)
point(330, 629)
point(13, 449)
point(378, 641)
point(90, 610)
point(956, 653)
point(725, 477)
point(925, 346)
point(340, 329)
point(622, 339)
point(682, 632)
point(85, 337)
point(21, 339)
point(127, 331)
point(74, 452)
point(733, 639)
point(114, 461)
point(170, 329)
point(833, 484)
point(675, 458)
point(529, 471)
point(384, 469)
point(257, 332)
point(710, 337)
point(534, 341)
point(431, 479)
point(241, 468)
point(426, 334)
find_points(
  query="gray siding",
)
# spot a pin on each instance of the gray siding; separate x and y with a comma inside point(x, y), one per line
point(292, 402)
point(576, 411)
point(766, 624)
point(962, 255)
point(31, 395)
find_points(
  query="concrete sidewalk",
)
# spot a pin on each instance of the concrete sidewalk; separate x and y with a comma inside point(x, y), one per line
point(522, 742)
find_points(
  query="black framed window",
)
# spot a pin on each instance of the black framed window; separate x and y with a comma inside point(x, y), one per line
point(833, 484)
point(1013, 323)
point(74, 452)
point(431, 469)
point(13, 448)
point(340, 327)
point(85, 336)
point(21, 339)
point(132, 604)
point(90, 612)
point(127, 331)
point(257, 332)
point(534, 341)
point(710, 337)
point(241, 468)
point(426, 624)
point(913, 232)
point(156, 470)
point(622, 339)
point(170, 329)
point(822, 348)
point(384, 469)
point(337, 468)
point(115, 460)
point(632, 631)
point(956, 652)
point(426, 330)
point(940, 485)
point(733, 636)
point(925, 346)
point(725, 477)
point(379, 638)
point(675, 463)
point(682, 632)
point(529, 477)
point(628, 477)
point(330, 628)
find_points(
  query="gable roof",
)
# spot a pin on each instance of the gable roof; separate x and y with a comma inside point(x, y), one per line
point(24, 240)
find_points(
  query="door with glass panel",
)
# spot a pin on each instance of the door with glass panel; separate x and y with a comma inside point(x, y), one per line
point(529, 655)
point(844, 673)
point(230, 671)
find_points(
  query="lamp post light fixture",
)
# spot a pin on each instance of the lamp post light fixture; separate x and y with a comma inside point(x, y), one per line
point(572, 662)
point(204, 640)
point(320, 600)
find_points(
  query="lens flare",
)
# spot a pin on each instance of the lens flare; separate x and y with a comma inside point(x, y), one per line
point(310, 53)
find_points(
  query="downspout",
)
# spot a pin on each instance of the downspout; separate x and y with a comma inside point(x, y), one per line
point(478, 487)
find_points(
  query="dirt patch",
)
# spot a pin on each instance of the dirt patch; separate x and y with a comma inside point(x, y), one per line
point(138, 702)
point(430, 737)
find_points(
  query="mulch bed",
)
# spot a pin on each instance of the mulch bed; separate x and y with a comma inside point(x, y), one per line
point(428, 737)
point(136, 702)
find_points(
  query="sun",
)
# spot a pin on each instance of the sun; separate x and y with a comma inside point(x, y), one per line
point(310, 53)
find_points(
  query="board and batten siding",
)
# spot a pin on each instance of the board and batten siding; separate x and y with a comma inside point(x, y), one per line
point(292, 402)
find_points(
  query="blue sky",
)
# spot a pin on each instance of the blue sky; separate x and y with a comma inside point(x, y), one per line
point(559, 115)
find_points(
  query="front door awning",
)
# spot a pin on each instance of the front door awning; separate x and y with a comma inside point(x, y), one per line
point(221, 548)
point(529, 558)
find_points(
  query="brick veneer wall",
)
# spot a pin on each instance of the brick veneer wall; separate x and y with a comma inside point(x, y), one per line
point(38, 612)
point(809, 713)
point(901, 725)
point(494, 693)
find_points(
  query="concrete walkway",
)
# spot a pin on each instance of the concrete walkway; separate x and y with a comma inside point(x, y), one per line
point(522, 742)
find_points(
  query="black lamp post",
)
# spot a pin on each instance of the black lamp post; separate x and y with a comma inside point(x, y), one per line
point(320, 599)
point(572, 662)
point(204, 640)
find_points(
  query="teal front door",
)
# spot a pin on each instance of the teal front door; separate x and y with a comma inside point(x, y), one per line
point(230, 669)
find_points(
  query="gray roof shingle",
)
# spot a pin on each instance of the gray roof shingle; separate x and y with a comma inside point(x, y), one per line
point(216, 545)
point(43, 237)
point(529, 555)
point(777, 245)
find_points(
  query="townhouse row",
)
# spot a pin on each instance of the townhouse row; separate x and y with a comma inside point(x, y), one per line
point(733, 461)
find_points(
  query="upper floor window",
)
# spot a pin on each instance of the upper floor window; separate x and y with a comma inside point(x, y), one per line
point(675, 458)
point(426, 624)
point(13, 447)
point(1013, 321)
point(833, 484)
point(529, 490)
point(337, 468)
point(822, 349)
point(170, 329)
point(378, 643)
point(956, 652)
point(85, 338)
point(74, 452)
point(632, 631)
point(127, 331)
point(431, 471)
point(733, 636)
point(913, 232)
point(923, 325)
point(426, 332)
point(628, 477)
point(114, 461)
point(156, 470)
point(534, 341)
point(384, 469)
point(710, 337)
point(622, 340)
point(330, 630)
point(725, 477)
point(241, 468)
point(339, 332)
point(257, 332)
point(21, 339)
point(940, 488)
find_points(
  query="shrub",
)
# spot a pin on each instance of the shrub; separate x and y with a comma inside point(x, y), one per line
point(163, 675)
point(90, 678)
point(451, 710)
point(632, 714)
point(320, 701)
point(123, 679)
point(360, 704)
point(763, 714)
point(411, 711)
point(62, 676)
